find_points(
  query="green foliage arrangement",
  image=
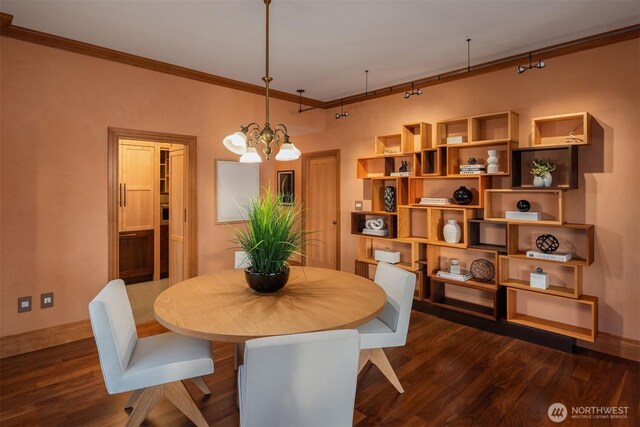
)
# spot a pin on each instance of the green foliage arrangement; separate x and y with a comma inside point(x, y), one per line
point(542, 167)
point(272, 234)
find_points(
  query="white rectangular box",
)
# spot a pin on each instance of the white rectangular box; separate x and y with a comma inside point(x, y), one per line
point(563, 257)
point(392, 257)
point(539, 280)
point(456, 139)
point(523, 216)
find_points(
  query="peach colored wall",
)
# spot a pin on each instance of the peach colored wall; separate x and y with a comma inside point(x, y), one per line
point(55, 109)
point(603, 81)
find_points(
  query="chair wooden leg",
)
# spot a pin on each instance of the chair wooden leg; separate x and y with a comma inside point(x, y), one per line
point(177, 393)
point(148, 399)
point(379, 359)
point(132, 399)
point(364, 358)
point(199, 381)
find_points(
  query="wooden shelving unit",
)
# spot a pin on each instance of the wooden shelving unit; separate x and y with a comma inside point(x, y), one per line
point(489, 128)
point(554, 130)
point(434, 162)
point(377, 191)
point(444, 187)
point(389, 144)
point(453, 127)
point(565, 177)
point(487, 235)
point(416, 137)
point(359, 219)
point(459, 154)
point(435, 168)
point(440, 298)
point(413, 223)
point(564, 280)
point(550, 203)
point(577, 239)
point(585, 311)
point(438, 217)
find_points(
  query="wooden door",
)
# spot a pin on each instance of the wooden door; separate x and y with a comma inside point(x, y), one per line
point(137, 189)
point(321, 198)
point(178, 215)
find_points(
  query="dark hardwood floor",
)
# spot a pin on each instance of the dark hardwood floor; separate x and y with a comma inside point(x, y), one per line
point(452, 375)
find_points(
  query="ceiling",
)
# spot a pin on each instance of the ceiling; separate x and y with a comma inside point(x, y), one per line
point(323, 46)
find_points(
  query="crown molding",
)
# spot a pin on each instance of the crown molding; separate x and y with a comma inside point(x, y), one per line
point(7, 29)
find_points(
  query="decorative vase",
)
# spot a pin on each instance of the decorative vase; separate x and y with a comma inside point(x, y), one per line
point(538, 181)
point(523, 205)
point(390, 199)
point(547, 179)
point(462, 196)
point(492, 161)
point(266, 283)
point(452, 231)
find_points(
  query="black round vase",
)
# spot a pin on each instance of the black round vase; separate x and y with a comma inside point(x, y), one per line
point(266, 283)
point(523, 205)
point(463, 196)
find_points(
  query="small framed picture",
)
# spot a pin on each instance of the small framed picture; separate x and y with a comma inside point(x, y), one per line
point(286, 187)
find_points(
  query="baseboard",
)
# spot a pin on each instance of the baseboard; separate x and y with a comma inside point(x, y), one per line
point(616, 346)
point(26, 342)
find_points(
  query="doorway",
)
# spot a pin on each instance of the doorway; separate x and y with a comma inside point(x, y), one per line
point(321, 198)
point(151, 174)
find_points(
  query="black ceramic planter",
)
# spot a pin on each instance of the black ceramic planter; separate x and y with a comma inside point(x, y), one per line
point(266, 283)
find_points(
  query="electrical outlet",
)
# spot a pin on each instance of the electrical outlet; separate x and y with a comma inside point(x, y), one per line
point(358, 205)
point(24, 304)
point(46, 300)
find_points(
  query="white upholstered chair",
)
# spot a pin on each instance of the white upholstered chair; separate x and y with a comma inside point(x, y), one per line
point(299, 380)
point(241, 260)
point(390, 328)
point(150, 367)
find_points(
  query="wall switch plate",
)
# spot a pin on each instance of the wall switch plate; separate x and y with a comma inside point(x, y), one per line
point(358, 206)
point(24, 304)
point(46, 300)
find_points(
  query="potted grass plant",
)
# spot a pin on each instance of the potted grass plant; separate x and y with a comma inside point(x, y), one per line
point(272, 234)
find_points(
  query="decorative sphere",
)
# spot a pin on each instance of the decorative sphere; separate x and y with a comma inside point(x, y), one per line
point(472, 161)
point(523, 205)
point(463, 196)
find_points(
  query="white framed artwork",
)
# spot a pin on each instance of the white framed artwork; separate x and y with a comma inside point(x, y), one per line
point(236, 184)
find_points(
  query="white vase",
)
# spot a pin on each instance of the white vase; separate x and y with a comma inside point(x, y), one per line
point(452, 231)
point(538, 181)
point(492, 161)
point(547, 179)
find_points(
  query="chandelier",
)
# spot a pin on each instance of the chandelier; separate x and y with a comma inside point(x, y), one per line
point(244, 141)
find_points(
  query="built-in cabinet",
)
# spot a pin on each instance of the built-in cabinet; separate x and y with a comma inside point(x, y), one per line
point(489, 233)
point(143, 205)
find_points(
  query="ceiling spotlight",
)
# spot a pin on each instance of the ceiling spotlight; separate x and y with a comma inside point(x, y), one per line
point(342, 113)
point(523, 68)
point(416, 92)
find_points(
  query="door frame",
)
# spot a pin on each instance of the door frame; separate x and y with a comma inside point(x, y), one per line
point(190, 143)
point(306, 157)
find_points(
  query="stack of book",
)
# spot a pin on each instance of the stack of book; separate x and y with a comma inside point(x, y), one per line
point(472, 169)
point(462, 277)
point(372, 232)
point(436, 201)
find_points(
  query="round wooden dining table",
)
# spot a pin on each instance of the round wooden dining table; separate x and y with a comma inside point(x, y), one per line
point(222, 307)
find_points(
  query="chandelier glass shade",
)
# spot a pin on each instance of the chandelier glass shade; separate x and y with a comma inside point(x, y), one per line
point(245, 141)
